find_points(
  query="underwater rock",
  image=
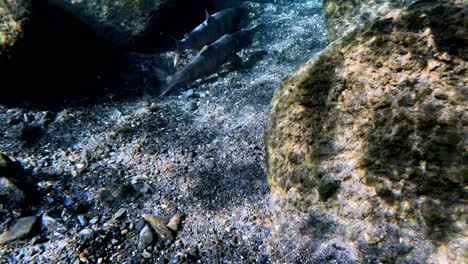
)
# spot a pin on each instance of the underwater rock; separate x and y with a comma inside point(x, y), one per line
point(144, 25)
point(344, 16)
point(368, 112)
point(14, 17)
point(20, 229)
point(159, 226)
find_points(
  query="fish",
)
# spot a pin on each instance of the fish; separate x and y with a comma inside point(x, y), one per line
point(207, 61)
point(214, 27)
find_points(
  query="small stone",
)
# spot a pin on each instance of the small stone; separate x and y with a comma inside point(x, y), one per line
point(175, 222)
point(86, 233)
point(432, 64)
point(52, 225)
point(120, 213)
point(185, 95)
point(68, 201)
point(145, 254)
point(20, 229)
point(82, 220)
point(146, 237)
point(139, 224)
point(159, 226)
point(444, 56)
point(93, 220)
point(114, 241)
point(124, 231)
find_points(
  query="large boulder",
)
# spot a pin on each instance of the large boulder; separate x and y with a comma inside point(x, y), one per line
point(343, 16)
point(14, 17)
point(366, 143)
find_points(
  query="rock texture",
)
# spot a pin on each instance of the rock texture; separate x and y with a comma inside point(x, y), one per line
point(344, 16)
point(143, 25)
point(366, 143)
point(14, 16)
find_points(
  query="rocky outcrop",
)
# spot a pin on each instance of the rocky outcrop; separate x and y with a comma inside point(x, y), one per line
point(344, 16)
point(14, 16)
point(366, 142)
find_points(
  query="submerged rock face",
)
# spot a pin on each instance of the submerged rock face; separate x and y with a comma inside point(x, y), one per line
point(143, 25)
point(14, 16)
point(343, 16)
point(366, 145)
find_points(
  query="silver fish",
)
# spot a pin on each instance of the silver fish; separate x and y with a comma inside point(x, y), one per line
point(214, 26)
point(207, 61)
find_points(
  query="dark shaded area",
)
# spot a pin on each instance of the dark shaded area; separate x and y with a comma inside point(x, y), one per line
point(24, 181)
point(60, 57)
point(314, 97)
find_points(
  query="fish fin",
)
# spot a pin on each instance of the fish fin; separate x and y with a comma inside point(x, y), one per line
point(208, 17)
point(204, 49)
point(178, 52)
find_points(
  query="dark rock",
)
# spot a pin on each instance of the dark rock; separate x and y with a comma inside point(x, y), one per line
point(10, 196)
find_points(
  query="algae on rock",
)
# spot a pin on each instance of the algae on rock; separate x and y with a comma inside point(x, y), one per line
point(383, 112)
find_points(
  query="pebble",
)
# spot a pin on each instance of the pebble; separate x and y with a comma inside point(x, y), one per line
point(19, 230)
point(146, 237)
point(52, 225)
point(146, 254)
point(82, 220)
point(93, 220)
point(186, 94)
point(120, 213)
point(68, 201)
point(159, 226)
point(86, 233)
point(140, 224)
point(432, 64)
point(175, 222)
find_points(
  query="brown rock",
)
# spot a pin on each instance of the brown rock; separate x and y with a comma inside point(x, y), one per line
point(159, 226)
point(371, 112)
point(175, 222)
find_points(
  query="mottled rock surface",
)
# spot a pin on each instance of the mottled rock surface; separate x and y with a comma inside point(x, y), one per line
point(366, 143)
point(343, 16)
point(14, 16)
